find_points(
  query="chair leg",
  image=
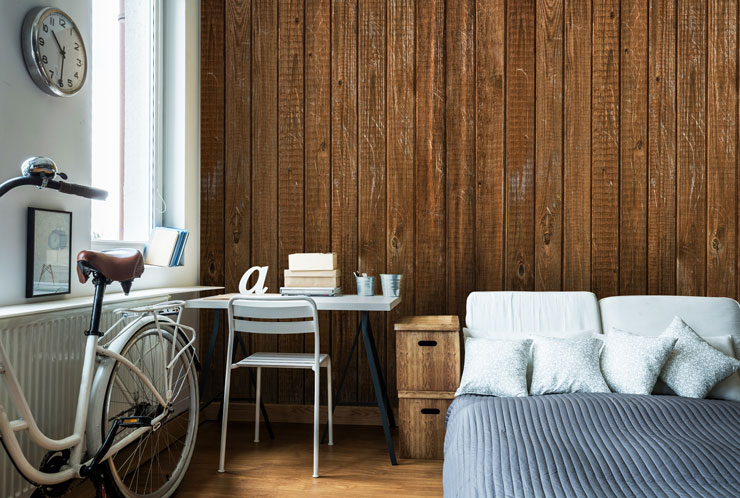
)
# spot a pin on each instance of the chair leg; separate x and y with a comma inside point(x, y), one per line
point(225, 416)
point(329, 401)
point(257, 406)
point(316, 385)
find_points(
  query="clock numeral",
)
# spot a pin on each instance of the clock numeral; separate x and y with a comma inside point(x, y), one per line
point(77, 75)
point(44, 59)
point(79, 62)
point(51, 21)
point(77, 46)
point(41, 41)
point(63, 23)
point(52, 74)
point(69, 82)
point(46, 28)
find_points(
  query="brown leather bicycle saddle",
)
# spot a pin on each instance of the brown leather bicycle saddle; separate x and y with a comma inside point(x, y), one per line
point(118, 265)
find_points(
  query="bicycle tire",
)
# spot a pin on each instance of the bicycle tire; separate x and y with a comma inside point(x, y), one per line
point(122, 478)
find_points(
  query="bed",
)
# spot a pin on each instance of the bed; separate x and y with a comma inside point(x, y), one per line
point(591, 445)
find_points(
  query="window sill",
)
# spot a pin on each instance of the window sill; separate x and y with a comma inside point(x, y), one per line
point(83, 302)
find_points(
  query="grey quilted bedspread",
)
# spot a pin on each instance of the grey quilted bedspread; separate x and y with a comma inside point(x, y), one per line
point(592, 445)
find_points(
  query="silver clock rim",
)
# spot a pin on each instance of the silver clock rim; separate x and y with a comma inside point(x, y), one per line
point(29, 43)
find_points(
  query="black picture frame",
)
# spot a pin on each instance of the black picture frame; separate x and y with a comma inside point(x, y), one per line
point(48, 252)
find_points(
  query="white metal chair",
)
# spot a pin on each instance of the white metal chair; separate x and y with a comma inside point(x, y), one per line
point(260, 315)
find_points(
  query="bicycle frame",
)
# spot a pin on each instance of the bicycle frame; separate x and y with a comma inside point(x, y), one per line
point(76, 441)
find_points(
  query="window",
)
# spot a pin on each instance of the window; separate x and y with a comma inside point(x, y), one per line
point(125, 118)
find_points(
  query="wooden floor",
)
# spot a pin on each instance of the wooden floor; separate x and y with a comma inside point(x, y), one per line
point(356, 466)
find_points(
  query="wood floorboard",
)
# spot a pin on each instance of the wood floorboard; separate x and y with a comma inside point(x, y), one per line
point(357, 465)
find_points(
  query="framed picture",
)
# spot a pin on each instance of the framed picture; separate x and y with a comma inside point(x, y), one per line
point(49, 256)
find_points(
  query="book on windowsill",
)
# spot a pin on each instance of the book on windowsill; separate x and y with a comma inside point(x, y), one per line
point(311, 291)
point(166, 247)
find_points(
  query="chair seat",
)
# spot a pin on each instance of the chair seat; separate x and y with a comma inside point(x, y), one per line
point(281, 360)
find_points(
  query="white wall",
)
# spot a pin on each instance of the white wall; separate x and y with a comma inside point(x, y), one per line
point(34, 123)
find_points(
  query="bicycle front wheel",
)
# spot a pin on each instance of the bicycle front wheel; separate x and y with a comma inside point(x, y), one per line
point(155, 463)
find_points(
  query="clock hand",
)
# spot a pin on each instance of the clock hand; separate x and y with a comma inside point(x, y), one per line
point(61, 72)
point(58, 44)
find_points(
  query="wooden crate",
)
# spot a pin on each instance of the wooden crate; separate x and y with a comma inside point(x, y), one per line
point(422, 426)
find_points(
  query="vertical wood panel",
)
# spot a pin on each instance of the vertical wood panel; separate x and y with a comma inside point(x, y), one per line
point(371, 166)
point(344, 175)
point(401, 187)
point(490, 43)
point(238, 188)
point(691, 153)
point(605, 150)
point(633, 149)
point(460, 145)
point(469, 145)
point(430, 158)
point(520, 133)
point(549, 145)
point(317, 231)
point(577, 147)
point(290, 171)
point(721, 244)
point(662, 148)
point(212, 157)
point(265, 164)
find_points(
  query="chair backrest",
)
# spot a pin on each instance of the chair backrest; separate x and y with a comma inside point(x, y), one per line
point(273, 315)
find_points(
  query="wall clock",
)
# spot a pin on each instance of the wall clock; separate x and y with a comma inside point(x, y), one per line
point(54, 51)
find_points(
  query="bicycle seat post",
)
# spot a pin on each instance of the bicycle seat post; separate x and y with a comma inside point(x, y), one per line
point(100, 283)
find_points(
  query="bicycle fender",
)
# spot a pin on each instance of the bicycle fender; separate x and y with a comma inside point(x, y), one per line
point(94, 437)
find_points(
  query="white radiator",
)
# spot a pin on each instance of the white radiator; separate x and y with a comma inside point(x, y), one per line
point(46, 353)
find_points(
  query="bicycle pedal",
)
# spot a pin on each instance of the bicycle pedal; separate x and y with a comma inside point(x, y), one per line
point(135, 422)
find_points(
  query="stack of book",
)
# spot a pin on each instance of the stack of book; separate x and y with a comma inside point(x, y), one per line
point(166, 247)
point(312, 274)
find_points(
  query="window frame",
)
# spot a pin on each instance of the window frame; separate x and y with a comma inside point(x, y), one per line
point(156, 93)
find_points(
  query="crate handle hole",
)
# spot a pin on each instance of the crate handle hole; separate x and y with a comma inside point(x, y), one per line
point(430, 411)
point(428, 343)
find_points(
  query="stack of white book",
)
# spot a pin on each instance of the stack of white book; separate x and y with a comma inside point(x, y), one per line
point(312, 274)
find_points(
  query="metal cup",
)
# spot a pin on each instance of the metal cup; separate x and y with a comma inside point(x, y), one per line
point(391, 284)
point(365, 286)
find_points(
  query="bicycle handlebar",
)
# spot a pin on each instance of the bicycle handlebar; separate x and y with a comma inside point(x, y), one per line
point(82, 191)
point(63, 187)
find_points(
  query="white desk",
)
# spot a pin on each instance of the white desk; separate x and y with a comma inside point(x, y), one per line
point(350, 302)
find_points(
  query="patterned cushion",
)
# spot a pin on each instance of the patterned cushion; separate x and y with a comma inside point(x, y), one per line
point(566, 366)
point(694, 367)
point(495, 367)
point(631, 363)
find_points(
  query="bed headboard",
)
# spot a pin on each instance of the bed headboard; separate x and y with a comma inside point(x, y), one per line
point(650, 315)
point(495, 314)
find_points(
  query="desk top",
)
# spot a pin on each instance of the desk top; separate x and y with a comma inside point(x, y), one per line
point(349, 302)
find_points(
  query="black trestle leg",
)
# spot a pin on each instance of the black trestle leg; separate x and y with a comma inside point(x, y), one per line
point(379, 392)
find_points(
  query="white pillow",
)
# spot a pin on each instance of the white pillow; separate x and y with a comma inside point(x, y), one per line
point(631, 363)
point(728, 389)
point(694, 367)
point(566, 366)
point(495, 367)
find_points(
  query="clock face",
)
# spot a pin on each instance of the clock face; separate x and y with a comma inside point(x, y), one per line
point(54, 51)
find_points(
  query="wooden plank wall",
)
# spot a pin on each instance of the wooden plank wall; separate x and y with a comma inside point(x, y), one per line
point(470, 145)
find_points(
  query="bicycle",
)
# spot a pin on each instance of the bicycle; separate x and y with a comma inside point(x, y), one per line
point(137, 411)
